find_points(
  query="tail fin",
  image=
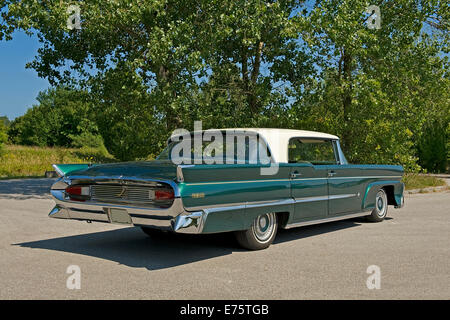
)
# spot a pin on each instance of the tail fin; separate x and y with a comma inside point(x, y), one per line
point(64, 169)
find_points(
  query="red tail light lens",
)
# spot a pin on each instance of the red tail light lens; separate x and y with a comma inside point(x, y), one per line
point(164, 195)
point(78, 193)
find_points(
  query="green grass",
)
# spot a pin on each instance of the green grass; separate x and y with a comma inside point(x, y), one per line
point(416, 181)
point(32, 162)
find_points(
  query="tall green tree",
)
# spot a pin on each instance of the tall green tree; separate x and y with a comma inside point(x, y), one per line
point(5, 120)
point(187, 60)
point(156, 40)
point(432, 146)
point(373, 86)
point(153, 66)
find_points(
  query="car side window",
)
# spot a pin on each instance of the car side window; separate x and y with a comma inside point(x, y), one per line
point(315, 151)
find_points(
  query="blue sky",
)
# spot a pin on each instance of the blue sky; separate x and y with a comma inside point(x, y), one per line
point(18, 86)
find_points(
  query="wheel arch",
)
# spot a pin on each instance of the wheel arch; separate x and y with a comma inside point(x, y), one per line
point(389, 189)
point(393, 189)
point(283, 218)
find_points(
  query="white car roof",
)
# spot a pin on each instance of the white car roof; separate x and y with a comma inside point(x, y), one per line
point(278, 139)
point(291, 133)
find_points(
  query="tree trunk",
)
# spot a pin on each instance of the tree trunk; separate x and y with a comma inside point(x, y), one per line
point(173, 120)
point(245, 70)
point(347, 99)
point(252, 98)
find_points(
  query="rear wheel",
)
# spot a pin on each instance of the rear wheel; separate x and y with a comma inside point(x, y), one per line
point(261, 234)
point(381, 206)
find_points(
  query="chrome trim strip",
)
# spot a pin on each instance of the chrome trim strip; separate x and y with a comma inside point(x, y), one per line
point(342, 196)
point(331, 219)
point(236, 181)
point(278, 180)
point(268, 203)
point(240, 205)
point(227, 208)
point(57, 170)
point(342, 158)
point(310, 199)
point(180, 167)
point(361, 177)
point(366, 177)
point(223, 205)
point(321, 198)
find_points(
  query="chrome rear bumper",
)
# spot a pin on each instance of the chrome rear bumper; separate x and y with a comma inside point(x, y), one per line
point(175, 218)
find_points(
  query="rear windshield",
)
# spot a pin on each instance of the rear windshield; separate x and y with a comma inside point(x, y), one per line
point(220, 149)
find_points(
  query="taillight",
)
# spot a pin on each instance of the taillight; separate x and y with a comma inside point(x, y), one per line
point(78, 193)
point(164, 195)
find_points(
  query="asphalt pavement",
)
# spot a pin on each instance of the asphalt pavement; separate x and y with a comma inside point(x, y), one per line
point(410, 249)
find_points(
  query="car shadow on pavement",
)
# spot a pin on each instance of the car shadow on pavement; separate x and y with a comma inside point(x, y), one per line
point(131, 247)
point(22, 189)
point(284, 235)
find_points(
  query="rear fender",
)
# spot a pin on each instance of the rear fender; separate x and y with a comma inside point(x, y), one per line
point(372, 189)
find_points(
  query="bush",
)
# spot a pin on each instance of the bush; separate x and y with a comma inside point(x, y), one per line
point(3, 137)
point(88, 140)
point(432, 147)
point(91, 147)
point(61, 114)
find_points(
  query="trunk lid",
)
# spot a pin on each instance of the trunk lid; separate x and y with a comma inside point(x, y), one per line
point(165, 170)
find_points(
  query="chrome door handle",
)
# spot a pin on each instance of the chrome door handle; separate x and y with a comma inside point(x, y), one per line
point(331, 173)
point(295, 175)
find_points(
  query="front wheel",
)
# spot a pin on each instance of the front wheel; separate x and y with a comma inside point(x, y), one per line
point(261, 234)
point(381, 206)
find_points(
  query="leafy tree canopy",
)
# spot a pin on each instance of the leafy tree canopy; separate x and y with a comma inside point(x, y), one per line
point(153, 66)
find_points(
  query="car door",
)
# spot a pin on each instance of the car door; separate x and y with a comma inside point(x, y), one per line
point(346, 185)
point(309, 160)
point(346, 188)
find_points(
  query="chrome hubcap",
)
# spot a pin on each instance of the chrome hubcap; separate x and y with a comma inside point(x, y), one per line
point(263, 223)
point(263, 227)
point(381, 203)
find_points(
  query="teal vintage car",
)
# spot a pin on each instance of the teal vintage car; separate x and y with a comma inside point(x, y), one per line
point(288, 178)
